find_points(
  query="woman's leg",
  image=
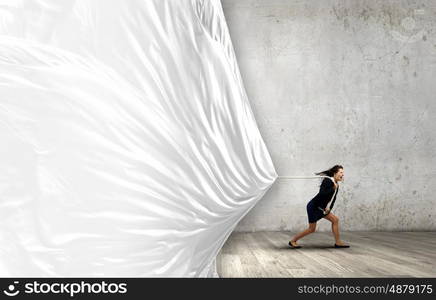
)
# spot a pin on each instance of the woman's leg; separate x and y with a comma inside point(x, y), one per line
point(335, 227)
point(312, 228)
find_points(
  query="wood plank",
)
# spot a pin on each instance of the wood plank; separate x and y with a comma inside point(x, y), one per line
point(372, 254)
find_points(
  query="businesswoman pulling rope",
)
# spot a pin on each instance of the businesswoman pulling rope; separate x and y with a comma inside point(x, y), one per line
point(321, 205)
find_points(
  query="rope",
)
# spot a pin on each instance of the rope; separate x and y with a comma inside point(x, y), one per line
point(303, 177)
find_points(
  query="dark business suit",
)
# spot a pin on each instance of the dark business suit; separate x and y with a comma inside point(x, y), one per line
point(315, 207)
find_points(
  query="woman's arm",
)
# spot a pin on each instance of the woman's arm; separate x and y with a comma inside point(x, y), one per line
point(333, 203)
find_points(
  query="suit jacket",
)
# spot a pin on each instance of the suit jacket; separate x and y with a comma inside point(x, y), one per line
point(326, 194)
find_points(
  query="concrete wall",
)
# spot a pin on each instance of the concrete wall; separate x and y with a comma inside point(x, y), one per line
point(348, 82)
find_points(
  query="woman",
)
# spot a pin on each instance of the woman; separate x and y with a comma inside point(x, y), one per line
point(317, 207)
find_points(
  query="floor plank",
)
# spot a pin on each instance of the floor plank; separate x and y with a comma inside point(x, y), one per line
point(372, 254)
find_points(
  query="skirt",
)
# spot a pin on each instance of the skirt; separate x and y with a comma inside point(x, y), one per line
point(313, 213)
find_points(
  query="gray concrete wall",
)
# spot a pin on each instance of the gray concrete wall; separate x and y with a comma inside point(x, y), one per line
point(348, 82)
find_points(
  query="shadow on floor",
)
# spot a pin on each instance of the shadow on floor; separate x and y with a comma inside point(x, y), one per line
point(310, 247)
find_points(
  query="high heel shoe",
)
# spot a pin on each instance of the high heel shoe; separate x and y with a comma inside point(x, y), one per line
point(292, 246)
point(342, 246)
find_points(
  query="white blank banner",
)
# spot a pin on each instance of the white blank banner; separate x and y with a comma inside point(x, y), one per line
point(128, 145)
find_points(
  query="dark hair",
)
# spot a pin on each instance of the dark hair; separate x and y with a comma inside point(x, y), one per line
point(330, 172)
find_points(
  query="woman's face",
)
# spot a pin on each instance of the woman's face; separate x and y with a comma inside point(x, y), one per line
point(339, 175)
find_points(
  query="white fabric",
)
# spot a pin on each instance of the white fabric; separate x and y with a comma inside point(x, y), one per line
point(128, 146)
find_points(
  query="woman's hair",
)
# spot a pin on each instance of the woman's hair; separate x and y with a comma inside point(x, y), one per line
point(330, 172)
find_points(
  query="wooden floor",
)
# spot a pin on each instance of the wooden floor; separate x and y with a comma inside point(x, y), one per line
point(372, 254)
